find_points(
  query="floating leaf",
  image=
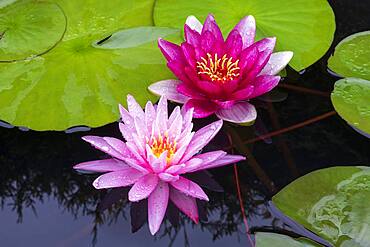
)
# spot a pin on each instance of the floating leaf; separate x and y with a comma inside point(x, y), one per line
point(267, 239)
point(331, 202)
point(81, 81)
point(352, 56)
point(29, 28)
point(305, 27)
point(351, 99)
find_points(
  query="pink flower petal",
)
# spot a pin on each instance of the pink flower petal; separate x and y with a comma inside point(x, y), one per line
point(189, 188)
point(201, 138)
point(242, 112)
point(150, 114)
point(101, 144)
point(210, 157)
point(134, 108)
point(194, 23)
point(170, 51)
point(107, 165)
point(167, 177)
point(159, 164)
point(174, 169)
point(277, 62)
point(202, 108)
point(264, 84)
point(247, 29)
point(185, 203)
point(125, 115)
point(174, 130)
point(119, 178)
point(225, 160)
point(174, 115)
point(143, 187)
point(157, 205)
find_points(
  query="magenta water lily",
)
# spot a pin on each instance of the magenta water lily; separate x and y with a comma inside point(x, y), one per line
point(158, 150)
point(220, 76)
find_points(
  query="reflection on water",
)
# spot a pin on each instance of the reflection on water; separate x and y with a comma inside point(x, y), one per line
point(45, 203)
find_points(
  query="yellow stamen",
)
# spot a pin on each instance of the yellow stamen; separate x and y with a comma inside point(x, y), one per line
point(218, 69)
point(161, 144)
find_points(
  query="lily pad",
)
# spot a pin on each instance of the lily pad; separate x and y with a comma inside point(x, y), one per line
point(29, 28)
point(331, 202)
point(81, 80)
point(351, 99)
point(267, 239)
point(352, 56)
point(304, 27)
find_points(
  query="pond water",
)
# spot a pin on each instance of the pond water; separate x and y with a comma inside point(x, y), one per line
point(46, 203)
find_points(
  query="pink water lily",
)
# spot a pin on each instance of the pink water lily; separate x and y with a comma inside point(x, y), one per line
point(159, 149)
point(220, 76)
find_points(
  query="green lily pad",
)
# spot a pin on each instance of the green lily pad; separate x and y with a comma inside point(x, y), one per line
point(29, 28)
point(351, 99)
point(81, 81)
point(304, 27)
point(267, 239)
point(331, 202)
point(352, 56)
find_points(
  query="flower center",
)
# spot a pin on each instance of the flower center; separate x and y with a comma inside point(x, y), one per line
point(162, 144)
point(218, 69)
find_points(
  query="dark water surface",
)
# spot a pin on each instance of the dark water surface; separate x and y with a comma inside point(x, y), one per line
point(45, 203)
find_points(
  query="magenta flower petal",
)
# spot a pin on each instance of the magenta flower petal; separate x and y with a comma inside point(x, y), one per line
point(192, 36)
point(157, 205)
point(188, 91)
point(186, 204)
point(189, 188)
point(225, 160)
point(234, 43)
point(210, 26)
point(194, 23)
point(170, 50)
point(242, 112)
point(247, 29)
point(277, 62)
point(215, 73)
point(119, 178)
point(202, 108)
point(244, 93)
point(143, 187)
point(264, 84)
point(107, 165)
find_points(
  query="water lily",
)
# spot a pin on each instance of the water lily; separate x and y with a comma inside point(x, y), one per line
point(159, 149)
point(220, 76)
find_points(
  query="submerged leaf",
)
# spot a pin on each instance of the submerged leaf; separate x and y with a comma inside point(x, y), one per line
point(267, 239)
point(331, 202)
point(304, 27)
